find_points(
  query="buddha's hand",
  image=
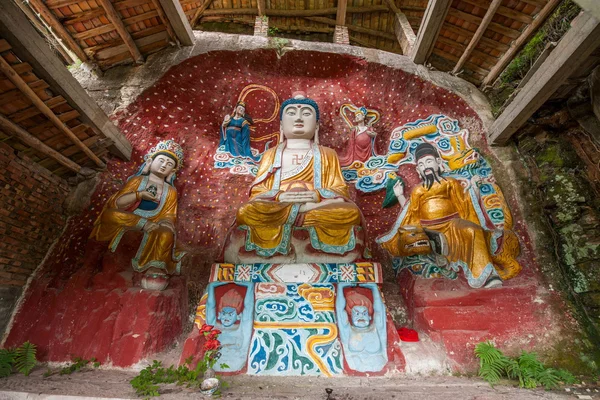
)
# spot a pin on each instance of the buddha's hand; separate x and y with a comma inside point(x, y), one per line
point(146, 195)
point(312, 206)
point(165, 223)
point(150, 226)
point(309, 196)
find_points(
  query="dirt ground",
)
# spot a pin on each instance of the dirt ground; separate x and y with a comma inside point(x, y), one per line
point(115, 384)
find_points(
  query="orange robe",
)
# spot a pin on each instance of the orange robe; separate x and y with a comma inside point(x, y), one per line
point(446, 208)
point(269, 223)
point(157, 248)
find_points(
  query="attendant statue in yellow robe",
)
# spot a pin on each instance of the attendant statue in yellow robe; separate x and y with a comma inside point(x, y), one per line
point(147, 203)
point(487, 257)
point(299, 190)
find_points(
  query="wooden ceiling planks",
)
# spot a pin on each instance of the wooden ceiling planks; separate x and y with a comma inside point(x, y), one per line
point(506, 26)
point(87, 23)
point(26, 126)
point(101, 27)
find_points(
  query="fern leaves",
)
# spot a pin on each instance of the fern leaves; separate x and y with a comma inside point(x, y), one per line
point(25, 358)
point(7, 358)
point(527, 369)
point(22, 358)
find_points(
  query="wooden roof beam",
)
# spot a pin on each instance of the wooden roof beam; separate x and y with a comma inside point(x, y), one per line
point(200, 11)
point(58, 28)
point(293, 13)
point(175, 18)
point(7, 70)
point(489, 14)
point(433, 19)
point(341, 12)
point(518, 44)
point(262, 7)
point(28, 139)
point(114, 17)
point(404, 32)
point(576, 45)
point(354, 28)
point(30, 47)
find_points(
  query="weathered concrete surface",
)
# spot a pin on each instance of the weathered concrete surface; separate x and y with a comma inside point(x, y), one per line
point(115, 384)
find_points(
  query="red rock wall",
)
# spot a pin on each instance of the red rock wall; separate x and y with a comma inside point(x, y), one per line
point(31, 219)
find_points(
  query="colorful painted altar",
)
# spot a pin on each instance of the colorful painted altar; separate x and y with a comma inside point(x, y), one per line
point(297, 322)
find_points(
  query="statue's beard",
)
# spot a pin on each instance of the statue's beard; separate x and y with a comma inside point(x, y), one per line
point(429, 176)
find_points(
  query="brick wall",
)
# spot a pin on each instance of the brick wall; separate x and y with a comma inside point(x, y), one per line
point(32, 215)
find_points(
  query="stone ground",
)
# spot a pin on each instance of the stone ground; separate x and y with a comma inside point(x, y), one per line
point(115, 384)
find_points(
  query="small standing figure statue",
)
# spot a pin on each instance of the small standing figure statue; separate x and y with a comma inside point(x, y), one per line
point(362, 327)
point(235, 132)
point(361, 145)
point(147, 203)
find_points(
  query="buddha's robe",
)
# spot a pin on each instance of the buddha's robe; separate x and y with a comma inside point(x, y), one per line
point(157, 248)
point(446, 208)
point(269, 223)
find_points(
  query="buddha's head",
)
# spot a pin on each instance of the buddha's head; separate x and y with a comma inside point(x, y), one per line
point(429, 164)
point(163, 160)
point(360, 309)
point(230, 308)
point(163, 164)
point(299, 117)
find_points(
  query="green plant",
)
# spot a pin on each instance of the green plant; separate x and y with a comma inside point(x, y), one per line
point(272, 31)
point(7, 359)
point(527, 369)
point(147, 383)
point(22, 359)
point(78, 364)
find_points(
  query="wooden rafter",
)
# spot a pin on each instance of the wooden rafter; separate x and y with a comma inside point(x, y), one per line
point(478, 35)
point(341, 12)
point(404, 32)
point(293, 13)
point(354, 28)
point(493, 26)
point(28, 139)
point(262, 7)
point(14, 77)
point(434, 17)
point(50, 19)
point(199, 12)
point(504, 11)
point(576, 45)
point(165, 20)
point(518, 44)
point(114, 17)
point(176, 19)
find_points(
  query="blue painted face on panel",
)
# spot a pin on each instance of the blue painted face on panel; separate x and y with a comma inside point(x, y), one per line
point(360, 317)
point(227, 316)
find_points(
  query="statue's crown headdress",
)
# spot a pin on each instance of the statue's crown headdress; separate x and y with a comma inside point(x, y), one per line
point(169, 148)
point(299, 98)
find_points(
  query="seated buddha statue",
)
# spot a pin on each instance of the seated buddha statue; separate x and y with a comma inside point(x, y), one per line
point(147, 203)
point(440, 204)
point(299, 208)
